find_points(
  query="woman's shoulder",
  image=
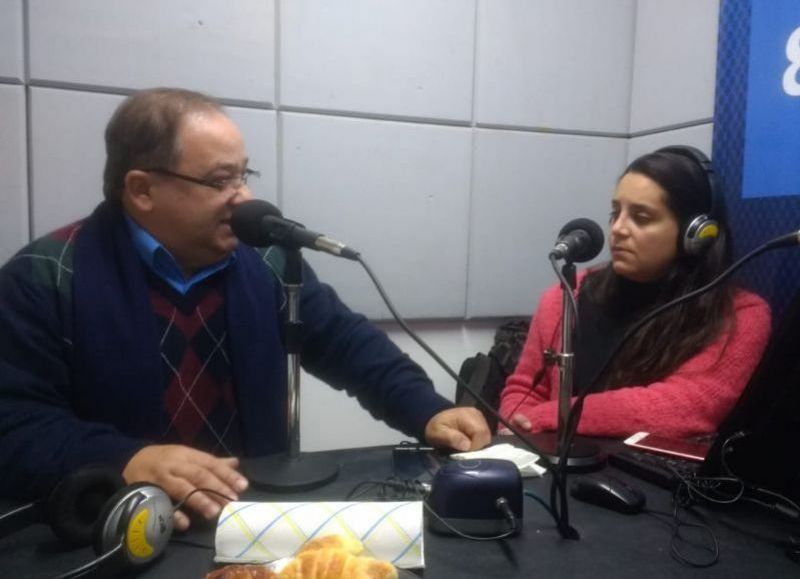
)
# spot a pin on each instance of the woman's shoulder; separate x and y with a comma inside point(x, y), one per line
point(750, 305)
point(743, 298)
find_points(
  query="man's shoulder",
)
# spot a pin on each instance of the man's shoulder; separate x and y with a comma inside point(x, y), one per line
point(47, 260)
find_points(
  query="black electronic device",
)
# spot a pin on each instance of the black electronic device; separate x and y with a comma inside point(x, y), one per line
point(129, 526)
point(414, 462)
point(608, 492)
point(467, 495)
point(676, 447)
point(758, 439)
point(661, 470)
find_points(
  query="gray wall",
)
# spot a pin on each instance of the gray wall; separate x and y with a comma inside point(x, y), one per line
point(448, 140)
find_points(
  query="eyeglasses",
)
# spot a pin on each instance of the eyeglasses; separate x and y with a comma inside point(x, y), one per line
point(221, 185)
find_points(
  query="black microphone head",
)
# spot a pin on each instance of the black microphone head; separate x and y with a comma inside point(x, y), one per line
point(247, 218)
point(590, 247)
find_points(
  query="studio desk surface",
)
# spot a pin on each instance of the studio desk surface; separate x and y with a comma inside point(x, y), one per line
point(611, 544)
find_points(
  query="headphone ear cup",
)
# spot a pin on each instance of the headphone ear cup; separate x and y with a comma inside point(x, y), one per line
point(76, 502)
point(699, 234)
point(107, 532)
point(139, 517)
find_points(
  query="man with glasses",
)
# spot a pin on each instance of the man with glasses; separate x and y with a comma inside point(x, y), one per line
point(147, 337)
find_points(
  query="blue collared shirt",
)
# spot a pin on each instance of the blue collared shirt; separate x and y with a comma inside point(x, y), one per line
point(161, 262)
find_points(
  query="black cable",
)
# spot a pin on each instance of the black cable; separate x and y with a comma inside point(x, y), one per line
point(512, 521)
point(725, 450)
point(793, 505)
point(564, 529)
point(200, 490)
point(422, 344)
point(539, 500)
point(417, 490)
point(675, 524)
point(91, 565)
point(549, 358)
point(539, 375)
point(406, 488)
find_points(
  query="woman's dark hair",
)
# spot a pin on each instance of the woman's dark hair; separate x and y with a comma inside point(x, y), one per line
point(143, 133)
point(664, 343)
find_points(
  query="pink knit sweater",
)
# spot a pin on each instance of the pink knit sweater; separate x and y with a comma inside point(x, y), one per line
point(692, 400)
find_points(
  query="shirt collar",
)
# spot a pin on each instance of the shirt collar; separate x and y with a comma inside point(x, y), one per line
point(163, 264)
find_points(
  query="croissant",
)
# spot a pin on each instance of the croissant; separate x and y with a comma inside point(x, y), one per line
point(327, 557)
point(347, 543)
point(242, 572)
point(333, 563)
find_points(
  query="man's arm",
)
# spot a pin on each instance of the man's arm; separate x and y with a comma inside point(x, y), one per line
point(41, 436)
point(350, 353)
point(41, 439)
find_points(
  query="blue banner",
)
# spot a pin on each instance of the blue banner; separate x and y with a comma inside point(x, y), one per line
point(771, 164)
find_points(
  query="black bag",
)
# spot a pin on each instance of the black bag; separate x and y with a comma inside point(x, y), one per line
point(486, 373)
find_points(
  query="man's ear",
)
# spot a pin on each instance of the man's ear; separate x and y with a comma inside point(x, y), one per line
point(138, 187)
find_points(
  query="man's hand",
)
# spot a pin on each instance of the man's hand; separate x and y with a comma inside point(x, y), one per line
point(179, 470)
point(518, 420)
point(458, 428)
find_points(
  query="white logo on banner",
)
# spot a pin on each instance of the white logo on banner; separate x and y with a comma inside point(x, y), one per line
point(790, 84)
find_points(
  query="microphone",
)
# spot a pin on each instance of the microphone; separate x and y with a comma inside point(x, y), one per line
point(259, 224)
point(578, 241)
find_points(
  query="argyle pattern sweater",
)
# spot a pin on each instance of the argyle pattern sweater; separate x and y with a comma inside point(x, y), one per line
point(199, 397)
point(74, 392)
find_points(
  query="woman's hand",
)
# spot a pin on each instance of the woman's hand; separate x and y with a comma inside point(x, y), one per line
point(517, 420)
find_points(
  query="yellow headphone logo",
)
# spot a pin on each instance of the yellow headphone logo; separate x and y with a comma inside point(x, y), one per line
point(136, 537)
point(710, 230)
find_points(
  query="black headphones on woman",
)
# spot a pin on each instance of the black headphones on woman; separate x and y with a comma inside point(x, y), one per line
point(699, 231)
point(129, 526)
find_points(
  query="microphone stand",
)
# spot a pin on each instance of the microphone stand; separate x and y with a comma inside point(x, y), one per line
point(292, 471)
point(559, 477)
point(580, 455)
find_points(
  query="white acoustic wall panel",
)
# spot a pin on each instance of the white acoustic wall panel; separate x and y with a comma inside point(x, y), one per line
point(223, 48)
point(526, 187)
point(398, 192)
point(11, 63)
point(699, 136)
point(322, 407)
point(410, 58)
point(69, 152)
point(555, 64)
point(674, 63)
point(259, 131)
point(14, 171)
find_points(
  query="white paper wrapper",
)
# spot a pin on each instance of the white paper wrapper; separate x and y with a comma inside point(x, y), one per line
point(263, 532)
point(524, 459)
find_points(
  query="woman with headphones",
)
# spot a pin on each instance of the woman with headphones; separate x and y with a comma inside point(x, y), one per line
point(682, 372)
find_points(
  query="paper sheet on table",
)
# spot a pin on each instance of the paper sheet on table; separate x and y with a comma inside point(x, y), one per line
point(524, 459)
point(250, 532)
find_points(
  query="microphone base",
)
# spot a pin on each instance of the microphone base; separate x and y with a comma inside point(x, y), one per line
point(282, 473)
point(584, 455)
